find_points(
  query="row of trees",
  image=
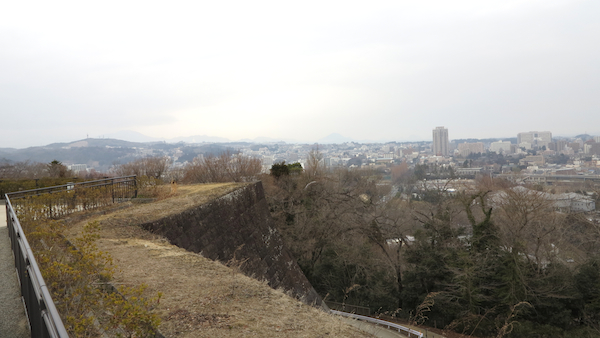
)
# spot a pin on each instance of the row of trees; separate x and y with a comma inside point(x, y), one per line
point(226, 167)
point(32, 175)
point(152, 166)
point(32, 170)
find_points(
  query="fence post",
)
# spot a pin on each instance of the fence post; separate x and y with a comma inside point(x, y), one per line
point(50, 204)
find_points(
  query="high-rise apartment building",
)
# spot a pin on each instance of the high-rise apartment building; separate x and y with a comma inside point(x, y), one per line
point(533, 138)
point(440, 145)
point(558, 145)
point(466, 149)
point(594, 149)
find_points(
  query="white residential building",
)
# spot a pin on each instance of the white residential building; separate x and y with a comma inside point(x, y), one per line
point(538, 138)
point(469, 148)
point(77, 168)
point(501, 147)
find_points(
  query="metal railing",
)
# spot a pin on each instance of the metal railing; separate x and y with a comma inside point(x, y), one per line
point(44, 319)
point(408, 331)
point(58, 201)
point(10, 185)
point(343, 307)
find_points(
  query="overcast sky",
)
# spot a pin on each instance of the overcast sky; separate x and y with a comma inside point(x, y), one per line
point(297, 70)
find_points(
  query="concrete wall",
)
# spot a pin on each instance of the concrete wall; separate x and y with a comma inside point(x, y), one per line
point(239, 224)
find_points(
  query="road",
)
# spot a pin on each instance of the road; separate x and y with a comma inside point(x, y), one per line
point(377, 331)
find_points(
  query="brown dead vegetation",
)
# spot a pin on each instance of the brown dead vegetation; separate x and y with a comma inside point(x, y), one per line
point(201, 297)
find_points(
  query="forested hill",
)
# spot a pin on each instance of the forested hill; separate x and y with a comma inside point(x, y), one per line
point(101, 154)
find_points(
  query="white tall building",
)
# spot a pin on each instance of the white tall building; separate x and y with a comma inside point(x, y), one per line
point(440, 145)
point(535, 138)
point(465, 149)
point(76, 168)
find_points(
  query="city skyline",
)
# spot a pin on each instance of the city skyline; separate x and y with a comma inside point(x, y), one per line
point(99, 154)
point(334, 138)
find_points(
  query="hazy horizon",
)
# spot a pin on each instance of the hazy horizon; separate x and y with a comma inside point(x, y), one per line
point(386, 71)
point(335, 137)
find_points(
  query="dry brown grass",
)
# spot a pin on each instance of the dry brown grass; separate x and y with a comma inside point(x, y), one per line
point(185, 197)
point(201, 297)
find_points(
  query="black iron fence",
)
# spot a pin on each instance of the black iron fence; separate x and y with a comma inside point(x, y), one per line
point(44, 319)
point(59, 201)
point(9, 185)
point(53, 202)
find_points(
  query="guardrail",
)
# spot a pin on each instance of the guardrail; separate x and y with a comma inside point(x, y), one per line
point(410, 332)
point(44, 319)
point(343, 307)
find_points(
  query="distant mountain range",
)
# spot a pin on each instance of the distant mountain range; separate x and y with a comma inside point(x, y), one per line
point(97, 153)
point(133, 136)
point(336, 138)
point(102, 153)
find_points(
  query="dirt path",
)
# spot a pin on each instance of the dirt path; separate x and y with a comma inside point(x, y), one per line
point(13, 323)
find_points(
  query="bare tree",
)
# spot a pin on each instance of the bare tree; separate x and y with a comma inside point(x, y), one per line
point(226, 167)
point(315, 167)
point(151, 166)
point(389, 232)
point(37, 170)
point(529, 224)
point(27, 169)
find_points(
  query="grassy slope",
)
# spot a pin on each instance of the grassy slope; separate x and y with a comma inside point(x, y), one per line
point(202, 298)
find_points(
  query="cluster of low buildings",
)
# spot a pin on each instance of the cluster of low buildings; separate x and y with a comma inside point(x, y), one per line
point(564, 202)
point(530, 153)
point(530, 157)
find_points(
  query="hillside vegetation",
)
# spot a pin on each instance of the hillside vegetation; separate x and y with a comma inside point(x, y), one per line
point(200, 297)
point(485, 259)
